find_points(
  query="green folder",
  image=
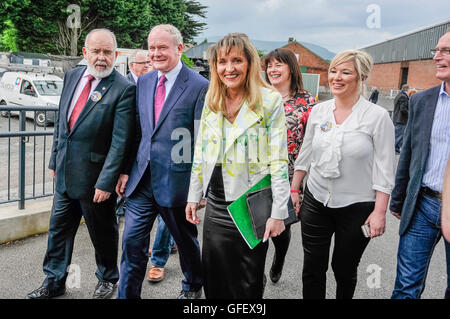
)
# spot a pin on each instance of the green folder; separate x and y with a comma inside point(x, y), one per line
point(238, 211)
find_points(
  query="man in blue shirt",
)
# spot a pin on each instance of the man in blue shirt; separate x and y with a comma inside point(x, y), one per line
point(416, 198)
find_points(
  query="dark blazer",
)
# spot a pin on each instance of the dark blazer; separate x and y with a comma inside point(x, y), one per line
point(131, 78)
point(174, 131)
point(92, 154)
point(401, 104)
point(414, 155)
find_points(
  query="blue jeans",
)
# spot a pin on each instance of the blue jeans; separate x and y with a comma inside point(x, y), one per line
point(416, 247)
point(399, 132)
point(162, 245)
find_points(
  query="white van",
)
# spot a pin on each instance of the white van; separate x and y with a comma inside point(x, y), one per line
point(31, 89)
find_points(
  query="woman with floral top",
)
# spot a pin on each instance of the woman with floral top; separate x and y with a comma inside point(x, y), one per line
point(283, 72)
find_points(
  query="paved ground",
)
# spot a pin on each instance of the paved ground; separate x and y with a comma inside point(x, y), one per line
point(21, 265)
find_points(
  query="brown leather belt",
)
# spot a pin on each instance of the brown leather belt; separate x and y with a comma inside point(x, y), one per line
point(432, 193)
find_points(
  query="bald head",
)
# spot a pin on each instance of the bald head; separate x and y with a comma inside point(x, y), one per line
point(140, 63)
point(103, 33)
point(442, 60)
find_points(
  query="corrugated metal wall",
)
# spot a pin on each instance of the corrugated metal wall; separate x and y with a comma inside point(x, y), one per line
point(414, 46)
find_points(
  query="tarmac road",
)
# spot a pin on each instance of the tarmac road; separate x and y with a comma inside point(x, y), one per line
point(21, 266)
point(21, 269)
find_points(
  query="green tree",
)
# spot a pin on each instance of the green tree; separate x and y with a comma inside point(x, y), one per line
point(41, 24)
point(8, 37)
point(194, 10)
point(189, 63)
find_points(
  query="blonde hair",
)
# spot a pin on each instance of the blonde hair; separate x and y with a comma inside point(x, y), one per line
point(217, 92)
point(361, 60)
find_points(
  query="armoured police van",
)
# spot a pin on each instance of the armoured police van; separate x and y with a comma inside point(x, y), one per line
point(34, 88)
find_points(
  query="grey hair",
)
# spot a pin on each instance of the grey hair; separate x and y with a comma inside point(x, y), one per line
point(136, 52)
point(113, 36)
point(174, 32)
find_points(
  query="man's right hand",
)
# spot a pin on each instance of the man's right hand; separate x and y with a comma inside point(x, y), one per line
point(121, 185)
point(53, 173)
point(396, 215)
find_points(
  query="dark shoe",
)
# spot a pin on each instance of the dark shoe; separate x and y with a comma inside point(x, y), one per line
point(44, 292)
point(276, 270)
point(104, 290)
point(184, 294)
point(174, 249)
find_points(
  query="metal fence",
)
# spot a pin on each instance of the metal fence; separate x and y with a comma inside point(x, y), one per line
point(26, 138)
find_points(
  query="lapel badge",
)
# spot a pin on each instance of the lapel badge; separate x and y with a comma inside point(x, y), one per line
point(96, 96)
point(325, 127)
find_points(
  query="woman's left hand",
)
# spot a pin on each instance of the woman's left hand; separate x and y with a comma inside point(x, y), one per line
point(377, 223)
point(274, 227)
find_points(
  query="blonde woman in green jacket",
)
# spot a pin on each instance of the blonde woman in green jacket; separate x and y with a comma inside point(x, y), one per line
point(242, 138)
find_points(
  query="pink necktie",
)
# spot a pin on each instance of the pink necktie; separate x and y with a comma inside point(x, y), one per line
point(81, 102)
point(160, 96)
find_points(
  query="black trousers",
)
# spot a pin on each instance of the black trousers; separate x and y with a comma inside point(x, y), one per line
point(318, 224)
point(103, 230)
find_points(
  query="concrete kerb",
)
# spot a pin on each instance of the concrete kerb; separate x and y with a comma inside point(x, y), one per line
point(18, 224)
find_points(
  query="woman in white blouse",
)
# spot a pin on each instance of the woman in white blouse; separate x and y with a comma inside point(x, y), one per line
point(348, 151)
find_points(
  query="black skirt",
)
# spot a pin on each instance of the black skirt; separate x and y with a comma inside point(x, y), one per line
point(231, 269)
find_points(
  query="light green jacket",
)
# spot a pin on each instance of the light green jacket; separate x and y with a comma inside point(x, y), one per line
point(256, 145)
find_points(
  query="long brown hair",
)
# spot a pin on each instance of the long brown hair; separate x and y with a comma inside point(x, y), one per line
point(217, 92)
point(288, 57)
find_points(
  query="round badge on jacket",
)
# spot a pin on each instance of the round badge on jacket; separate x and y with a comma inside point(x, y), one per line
point(96, 96)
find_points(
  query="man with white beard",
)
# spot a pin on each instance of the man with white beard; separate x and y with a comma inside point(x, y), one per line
point(91, 137)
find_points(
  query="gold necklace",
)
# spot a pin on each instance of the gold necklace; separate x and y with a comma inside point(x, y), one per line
point(230, 115)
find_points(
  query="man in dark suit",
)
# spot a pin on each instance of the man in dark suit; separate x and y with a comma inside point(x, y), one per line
point(416, 198)
point(374, 96)
point(400, 118)
point(93, 132)
point(139, 65)
point(169, 101)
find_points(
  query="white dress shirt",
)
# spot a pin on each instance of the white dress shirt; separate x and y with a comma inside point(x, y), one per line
point(348, 163)
point(81, 84)
point(135, 77)
point(171, 76)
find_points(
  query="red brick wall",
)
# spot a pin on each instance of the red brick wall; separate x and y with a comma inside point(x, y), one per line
point(422, 74)
point(314, 63)
point(387, 76)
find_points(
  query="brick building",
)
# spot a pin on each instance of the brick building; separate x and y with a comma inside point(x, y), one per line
point(311, 58)
point(406, 59)
point(309, 61)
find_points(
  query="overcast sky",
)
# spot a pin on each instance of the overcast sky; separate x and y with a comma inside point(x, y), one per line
point(333, 24)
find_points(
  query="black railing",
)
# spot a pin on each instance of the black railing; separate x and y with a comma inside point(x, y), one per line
point(23, 172)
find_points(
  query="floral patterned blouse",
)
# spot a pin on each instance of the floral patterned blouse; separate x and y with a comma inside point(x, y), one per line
point(297, 110)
